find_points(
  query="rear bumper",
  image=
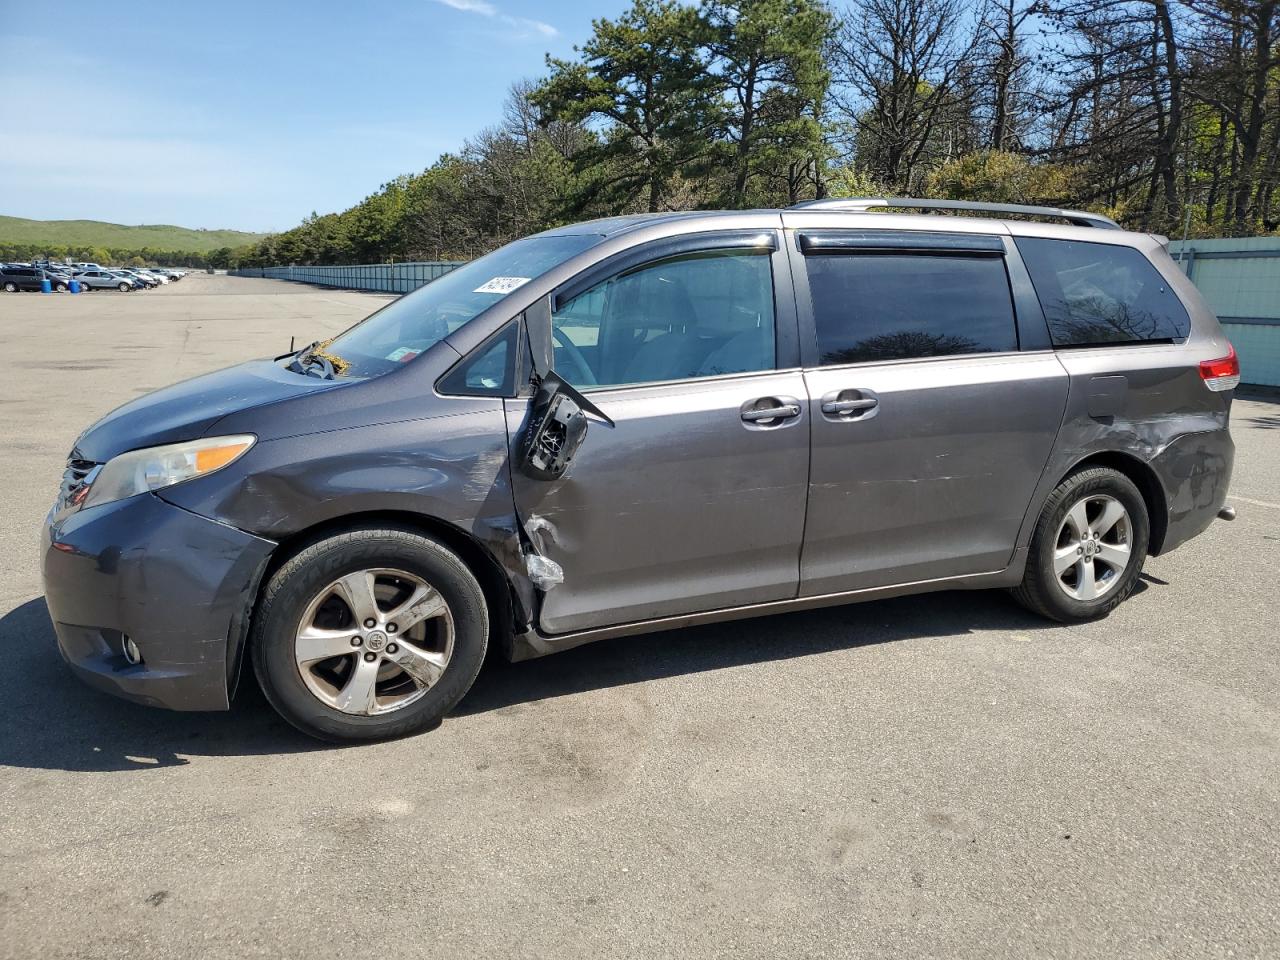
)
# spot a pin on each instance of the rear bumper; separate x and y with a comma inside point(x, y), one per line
point(1195, 472)
point(179, 585)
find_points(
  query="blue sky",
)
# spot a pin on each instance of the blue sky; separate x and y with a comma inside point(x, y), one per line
point(250, 115)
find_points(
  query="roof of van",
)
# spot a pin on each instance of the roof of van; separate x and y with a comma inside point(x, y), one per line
point(611, 226)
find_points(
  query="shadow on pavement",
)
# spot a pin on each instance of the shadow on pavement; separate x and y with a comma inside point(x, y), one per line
point(627, 660)
point(52, 721)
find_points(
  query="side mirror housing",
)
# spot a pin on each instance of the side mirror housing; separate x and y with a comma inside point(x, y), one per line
point(556, 427)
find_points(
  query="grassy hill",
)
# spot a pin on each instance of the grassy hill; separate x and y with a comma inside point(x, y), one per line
point(96, 233)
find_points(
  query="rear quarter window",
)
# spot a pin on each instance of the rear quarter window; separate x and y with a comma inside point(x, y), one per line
point(1094, 294)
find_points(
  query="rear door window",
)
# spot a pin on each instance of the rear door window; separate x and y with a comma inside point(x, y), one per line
point(871, 306)
point(1095, 294)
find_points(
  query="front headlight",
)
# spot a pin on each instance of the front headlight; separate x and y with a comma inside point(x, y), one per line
point(153, 468)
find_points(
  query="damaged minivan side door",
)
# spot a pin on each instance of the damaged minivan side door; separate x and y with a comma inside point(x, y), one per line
point(660, 464)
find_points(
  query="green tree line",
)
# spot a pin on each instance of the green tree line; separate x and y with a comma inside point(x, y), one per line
point(1163, 115)
point(117, 256)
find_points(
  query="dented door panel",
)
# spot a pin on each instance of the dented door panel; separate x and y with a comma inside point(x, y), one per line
point(682, 506)
point(934, 478)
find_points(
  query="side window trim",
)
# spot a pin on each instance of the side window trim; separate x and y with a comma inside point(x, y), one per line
point(814, 242)
point(663, 249)
point(1033, 326)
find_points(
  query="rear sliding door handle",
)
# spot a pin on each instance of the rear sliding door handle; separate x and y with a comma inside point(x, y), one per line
point(850, 404)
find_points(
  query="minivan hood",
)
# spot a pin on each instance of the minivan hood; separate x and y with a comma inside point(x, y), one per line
point(187, 410)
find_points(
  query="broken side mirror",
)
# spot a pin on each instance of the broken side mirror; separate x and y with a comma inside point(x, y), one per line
point(556, 427)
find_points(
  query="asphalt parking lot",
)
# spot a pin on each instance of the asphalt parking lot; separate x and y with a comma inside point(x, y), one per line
point(945, 776)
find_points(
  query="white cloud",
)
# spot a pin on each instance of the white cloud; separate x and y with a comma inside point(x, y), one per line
point(472, 6)
point(488, 10)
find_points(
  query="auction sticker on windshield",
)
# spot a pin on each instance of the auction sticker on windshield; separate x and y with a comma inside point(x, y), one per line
point(501, 285)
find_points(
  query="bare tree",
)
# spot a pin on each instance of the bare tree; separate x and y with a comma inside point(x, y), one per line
point(1238, 48)
point(900, 67)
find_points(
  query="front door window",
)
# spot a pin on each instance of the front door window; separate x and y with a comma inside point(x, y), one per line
point(698, 315)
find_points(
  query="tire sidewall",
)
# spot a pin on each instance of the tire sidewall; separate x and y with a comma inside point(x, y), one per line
point(1094, 482)
point(295, 585)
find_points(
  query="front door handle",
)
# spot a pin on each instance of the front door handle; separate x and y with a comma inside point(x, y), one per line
point(784, 412)
point(850, 404)
point(770, 411)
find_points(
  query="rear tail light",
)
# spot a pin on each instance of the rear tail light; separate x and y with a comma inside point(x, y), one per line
point(1221, 374)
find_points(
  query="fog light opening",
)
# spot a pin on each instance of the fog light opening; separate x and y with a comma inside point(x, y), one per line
point(131, 651)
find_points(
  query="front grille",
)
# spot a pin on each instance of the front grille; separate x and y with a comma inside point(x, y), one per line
point(73, 481)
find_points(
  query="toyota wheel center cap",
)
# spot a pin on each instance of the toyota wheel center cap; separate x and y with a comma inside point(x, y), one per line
point(375, 640)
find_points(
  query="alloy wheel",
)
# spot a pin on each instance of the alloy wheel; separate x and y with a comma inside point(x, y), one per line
point(374, 641)
point(1093, 548)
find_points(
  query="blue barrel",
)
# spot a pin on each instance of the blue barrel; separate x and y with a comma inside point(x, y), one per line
point(74, 285)
point(45, 285)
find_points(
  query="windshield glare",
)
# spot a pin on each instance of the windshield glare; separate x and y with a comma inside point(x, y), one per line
point(406, 327)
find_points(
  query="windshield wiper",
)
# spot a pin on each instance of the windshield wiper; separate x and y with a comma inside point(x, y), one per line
point(310, 364)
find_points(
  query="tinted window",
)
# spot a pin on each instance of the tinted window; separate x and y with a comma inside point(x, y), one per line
point(699, 315)
point(895, 307)
point(1097, 293)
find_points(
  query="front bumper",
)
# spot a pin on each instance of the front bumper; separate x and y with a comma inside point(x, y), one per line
point(181, 586)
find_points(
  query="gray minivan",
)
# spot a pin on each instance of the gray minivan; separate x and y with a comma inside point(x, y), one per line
point(641, 423)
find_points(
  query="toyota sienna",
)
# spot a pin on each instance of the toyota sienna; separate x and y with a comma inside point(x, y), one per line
point(642, 423)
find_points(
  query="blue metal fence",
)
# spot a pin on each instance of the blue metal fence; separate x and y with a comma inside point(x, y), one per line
point(1240, 277)
point(383, 277)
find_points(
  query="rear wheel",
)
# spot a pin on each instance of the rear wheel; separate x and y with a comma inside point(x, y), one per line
point(369, 634)
point(1088, 547)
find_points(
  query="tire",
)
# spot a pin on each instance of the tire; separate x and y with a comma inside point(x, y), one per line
point(317, 696)
point(123, 287)
point(10, 288)
point(1070, 579)
point(61, 287)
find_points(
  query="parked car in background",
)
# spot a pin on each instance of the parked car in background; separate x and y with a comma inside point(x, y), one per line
point(642, 423)
point(137, 282)
point(14, 279)
point(105, 280)
point(148, 282)
point(153, 274)
point(59, 278)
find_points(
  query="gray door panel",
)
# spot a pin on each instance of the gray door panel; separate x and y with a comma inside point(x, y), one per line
point(933, 479)
point(690, 503)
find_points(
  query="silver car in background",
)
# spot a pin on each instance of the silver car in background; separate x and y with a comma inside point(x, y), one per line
point(642, 423)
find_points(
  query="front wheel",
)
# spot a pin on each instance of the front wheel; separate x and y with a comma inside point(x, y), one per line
point(123, 288)
point(368, 635)
point(61, 287)
point(1088, 547)
point(10, 288)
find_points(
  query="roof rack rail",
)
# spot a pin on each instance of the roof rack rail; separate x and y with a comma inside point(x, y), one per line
point(1081, 218)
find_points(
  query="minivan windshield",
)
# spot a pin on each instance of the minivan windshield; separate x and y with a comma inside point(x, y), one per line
point(406, 327)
